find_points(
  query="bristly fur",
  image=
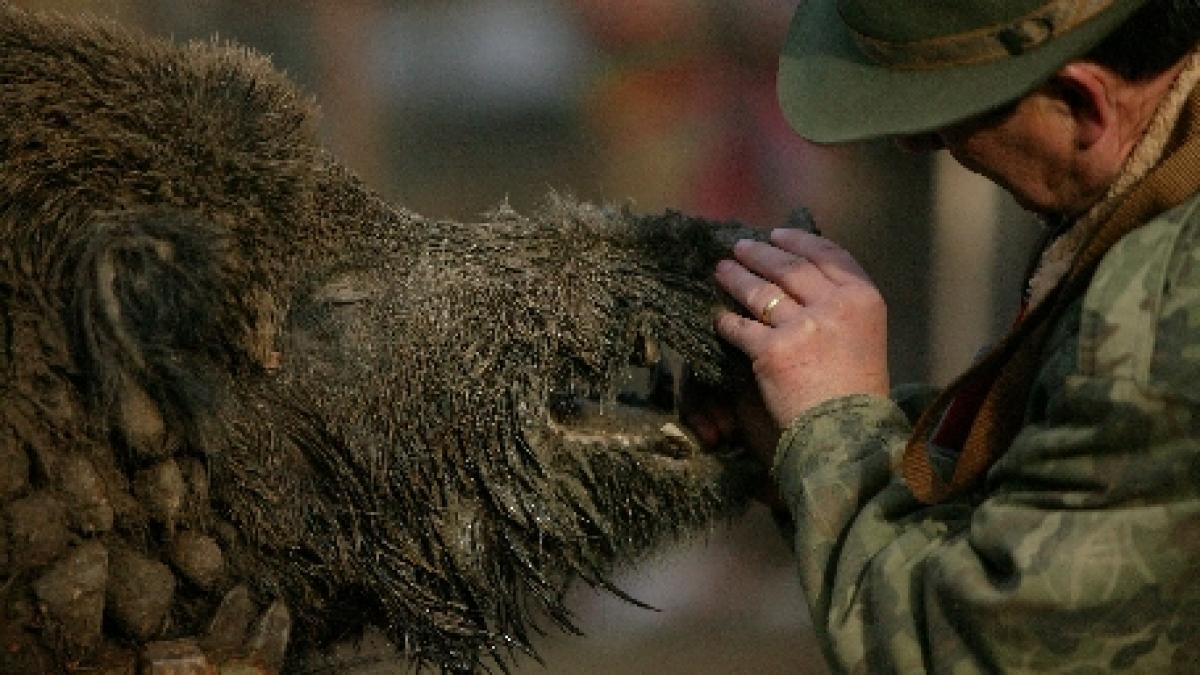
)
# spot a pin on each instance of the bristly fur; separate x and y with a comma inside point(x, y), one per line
point(372, 398)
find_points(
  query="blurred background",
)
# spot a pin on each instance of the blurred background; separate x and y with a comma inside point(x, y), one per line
point(450, 107)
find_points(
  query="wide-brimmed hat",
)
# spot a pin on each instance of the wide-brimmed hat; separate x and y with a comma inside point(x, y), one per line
point(859, 69)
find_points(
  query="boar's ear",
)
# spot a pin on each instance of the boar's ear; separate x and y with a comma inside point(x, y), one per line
point(161, 312)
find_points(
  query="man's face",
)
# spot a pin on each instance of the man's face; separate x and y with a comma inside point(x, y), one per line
point(1028, 149)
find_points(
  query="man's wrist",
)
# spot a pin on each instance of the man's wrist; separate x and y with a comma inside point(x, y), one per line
point(835, 431)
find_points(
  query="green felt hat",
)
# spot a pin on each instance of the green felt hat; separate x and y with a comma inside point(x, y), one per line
point(858, 69)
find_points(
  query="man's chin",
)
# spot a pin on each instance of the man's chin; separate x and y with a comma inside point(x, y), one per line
point(1044, 211)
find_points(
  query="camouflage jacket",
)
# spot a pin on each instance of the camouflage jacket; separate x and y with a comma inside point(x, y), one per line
point(1081, 552)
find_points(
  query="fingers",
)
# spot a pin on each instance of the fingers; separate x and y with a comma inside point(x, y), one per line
point(746, 334)
point(713, 424)
point(832, 260)
point(706, 410)
point(794, 274)
point(766, 301)
point(779, 281)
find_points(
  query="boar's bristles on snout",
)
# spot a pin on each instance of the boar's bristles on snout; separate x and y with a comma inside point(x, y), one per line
point(498, 353)
point(248, 408)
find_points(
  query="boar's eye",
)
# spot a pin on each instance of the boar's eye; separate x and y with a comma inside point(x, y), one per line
point(344, 289)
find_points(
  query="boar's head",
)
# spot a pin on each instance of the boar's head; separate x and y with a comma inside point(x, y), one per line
point(375, 417)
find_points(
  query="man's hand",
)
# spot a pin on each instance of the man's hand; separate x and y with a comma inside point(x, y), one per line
point(821, 326)
point(738, 417)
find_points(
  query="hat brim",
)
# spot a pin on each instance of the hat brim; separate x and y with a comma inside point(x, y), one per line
point(830, 92)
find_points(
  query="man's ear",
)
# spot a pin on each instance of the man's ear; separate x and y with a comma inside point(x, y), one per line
point(1084, 89)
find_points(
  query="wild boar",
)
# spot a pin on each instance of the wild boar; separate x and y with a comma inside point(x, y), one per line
point(247, 407)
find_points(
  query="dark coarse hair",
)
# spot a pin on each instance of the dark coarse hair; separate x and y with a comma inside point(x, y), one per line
point(1157, 36)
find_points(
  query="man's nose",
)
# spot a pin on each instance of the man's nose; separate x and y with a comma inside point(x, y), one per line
point(920, 143)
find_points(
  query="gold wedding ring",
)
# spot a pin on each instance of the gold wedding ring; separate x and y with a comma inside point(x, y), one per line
point(765, 314)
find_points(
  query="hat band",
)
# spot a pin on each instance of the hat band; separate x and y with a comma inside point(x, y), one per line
point(983, 44)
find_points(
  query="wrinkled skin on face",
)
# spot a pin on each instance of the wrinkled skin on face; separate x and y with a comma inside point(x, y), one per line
point(248, 403)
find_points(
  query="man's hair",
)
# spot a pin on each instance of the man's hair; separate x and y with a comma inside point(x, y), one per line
point(1157, 36)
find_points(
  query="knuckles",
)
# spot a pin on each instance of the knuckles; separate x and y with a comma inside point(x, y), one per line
point(796, 270)
point(869, 303)
point(728, 323)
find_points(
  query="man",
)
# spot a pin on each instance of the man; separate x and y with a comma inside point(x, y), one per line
point(1044, 511)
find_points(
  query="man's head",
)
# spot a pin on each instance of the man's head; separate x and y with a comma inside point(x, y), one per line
point(1059, 147)
point(860, 69)
point(1047, 99)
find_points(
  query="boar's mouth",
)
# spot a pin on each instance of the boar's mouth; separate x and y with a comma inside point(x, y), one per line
point(637, 411)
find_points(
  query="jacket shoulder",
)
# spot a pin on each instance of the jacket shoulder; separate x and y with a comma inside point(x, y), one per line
point(1140, 318)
